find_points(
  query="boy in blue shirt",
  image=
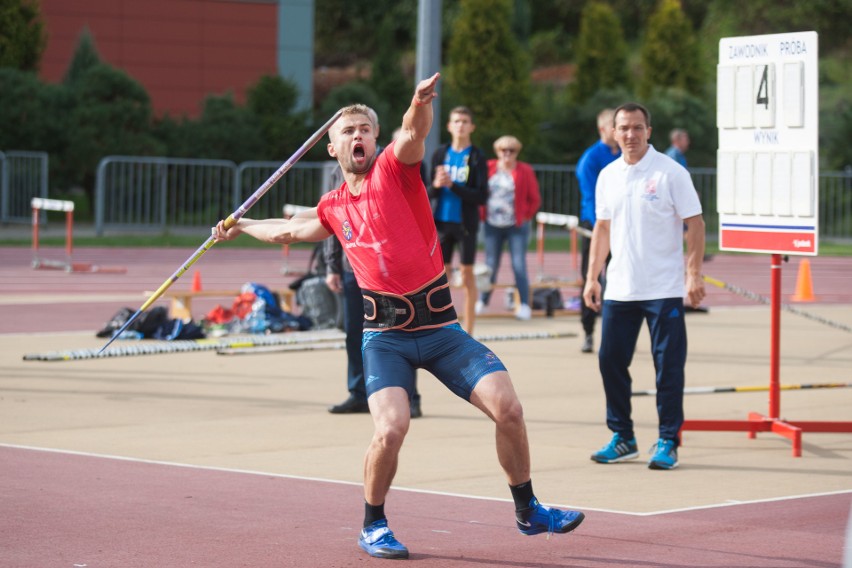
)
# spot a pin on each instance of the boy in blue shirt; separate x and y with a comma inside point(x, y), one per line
point(459, 186)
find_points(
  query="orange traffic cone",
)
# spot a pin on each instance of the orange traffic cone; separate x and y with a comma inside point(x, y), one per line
point(804, 285)
point(196, 282)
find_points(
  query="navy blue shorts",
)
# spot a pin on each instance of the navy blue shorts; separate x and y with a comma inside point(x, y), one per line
point(391, 359)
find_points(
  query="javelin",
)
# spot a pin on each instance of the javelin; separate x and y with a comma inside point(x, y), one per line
point(760, 388)
point(319, 345)
point(229, 222)
point(764, 300)
point(249, 347)
point(187, 345)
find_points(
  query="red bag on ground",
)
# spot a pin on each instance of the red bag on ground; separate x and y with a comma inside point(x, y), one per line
point(242, 304)
point(219, 315)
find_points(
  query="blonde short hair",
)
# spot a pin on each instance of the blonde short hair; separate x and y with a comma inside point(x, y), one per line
point(507, 140)
point(359, 109)
point(605, 118)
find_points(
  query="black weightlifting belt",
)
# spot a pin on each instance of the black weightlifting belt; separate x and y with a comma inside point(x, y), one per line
point(430, 306)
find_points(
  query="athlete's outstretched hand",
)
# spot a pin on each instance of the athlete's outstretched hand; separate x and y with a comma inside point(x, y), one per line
point(425, 91)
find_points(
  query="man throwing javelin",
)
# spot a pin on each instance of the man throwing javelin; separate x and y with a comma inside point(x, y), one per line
point(381, 215)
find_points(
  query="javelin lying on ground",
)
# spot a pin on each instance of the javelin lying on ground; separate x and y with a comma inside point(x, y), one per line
point(760, 388)
point(229, 222)
point(251, 348)
point(764, 300)
point(246, 344)
point(132, 348)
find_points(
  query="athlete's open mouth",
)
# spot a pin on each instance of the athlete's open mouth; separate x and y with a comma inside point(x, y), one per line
point(358, 151)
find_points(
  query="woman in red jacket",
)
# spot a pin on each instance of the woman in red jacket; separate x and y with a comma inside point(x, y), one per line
point(513, 200)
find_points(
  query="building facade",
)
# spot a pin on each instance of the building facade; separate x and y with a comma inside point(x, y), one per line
point(179, 50)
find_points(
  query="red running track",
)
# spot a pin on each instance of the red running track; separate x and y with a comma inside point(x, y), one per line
point(75, 510)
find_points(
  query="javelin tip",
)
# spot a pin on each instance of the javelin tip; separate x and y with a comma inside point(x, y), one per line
point(119, 331)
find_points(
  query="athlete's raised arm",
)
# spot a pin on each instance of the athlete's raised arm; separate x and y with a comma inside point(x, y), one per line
point(416, 123)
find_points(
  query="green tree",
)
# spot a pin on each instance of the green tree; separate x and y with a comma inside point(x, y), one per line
point(675, 108)
point(522, 21)
point(836, 136)
point(345, 31)
point(551, 47)
point(226, 131)
point(32, 113)
point(601, 54)
point(556, 14)
point(174, 135)
point(387, 79)
point(670, 53)
point(489, 72)
point(111, 115)
point(22, 37)
point(273, 100)
point(352, 93)
point(85, 57)
point(570, 128)
point(829, 18)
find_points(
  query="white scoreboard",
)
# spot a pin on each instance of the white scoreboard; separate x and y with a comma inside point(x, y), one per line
point(767, 163)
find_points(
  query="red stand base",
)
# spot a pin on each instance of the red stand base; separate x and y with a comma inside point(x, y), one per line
point(759, 423)
point(42, 264)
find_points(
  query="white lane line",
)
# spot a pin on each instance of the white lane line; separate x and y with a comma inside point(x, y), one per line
point(420, 491)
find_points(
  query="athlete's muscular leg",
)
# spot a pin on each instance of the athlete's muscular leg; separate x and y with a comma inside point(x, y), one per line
point(391, 417)
point(470, 297)
point(496, 397)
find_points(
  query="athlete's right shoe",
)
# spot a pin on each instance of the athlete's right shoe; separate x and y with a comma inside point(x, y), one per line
point(541, 519)
point(377, 540)
point(617, 450)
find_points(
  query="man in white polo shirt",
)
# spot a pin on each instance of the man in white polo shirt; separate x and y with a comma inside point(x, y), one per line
point(643, 200)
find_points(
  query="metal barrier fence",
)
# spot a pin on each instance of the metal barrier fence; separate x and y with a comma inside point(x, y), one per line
point(302, 185)
point(835, 204)
point(704, 180)
point(23, 175)
point(163, 193)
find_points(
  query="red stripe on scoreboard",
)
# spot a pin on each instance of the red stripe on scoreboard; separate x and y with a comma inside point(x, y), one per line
point(770, 241)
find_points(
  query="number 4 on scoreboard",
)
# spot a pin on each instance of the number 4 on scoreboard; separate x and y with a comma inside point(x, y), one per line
point(764, 110)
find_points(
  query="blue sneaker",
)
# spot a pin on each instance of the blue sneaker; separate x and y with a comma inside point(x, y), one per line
point(544, 519)
point(377, 540)
point(617, 450)
point(664, 454)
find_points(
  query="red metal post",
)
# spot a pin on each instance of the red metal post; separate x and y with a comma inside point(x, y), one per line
point(775, 340)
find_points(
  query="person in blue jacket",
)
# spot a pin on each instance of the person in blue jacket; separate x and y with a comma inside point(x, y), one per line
point(593, 160)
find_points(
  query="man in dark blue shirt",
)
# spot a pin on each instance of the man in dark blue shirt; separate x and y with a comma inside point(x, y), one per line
point(593, 160)
point(680, 144)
